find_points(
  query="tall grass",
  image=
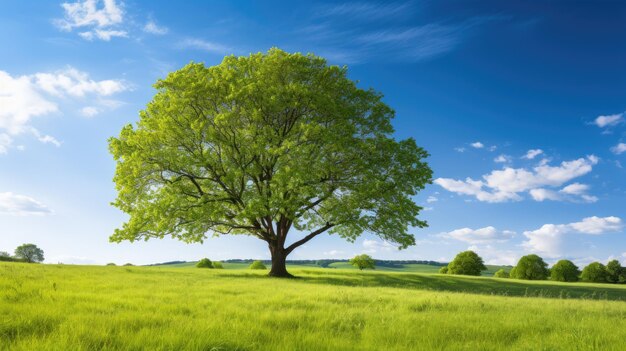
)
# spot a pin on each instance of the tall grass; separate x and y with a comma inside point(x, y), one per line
point(49, 307)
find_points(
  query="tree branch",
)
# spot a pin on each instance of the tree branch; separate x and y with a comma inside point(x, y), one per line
point(308, 237)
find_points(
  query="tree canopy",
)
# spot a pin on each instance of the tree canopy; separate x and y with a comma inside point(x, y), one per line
point(262, 144)
point(29, 253)
point(530, 267)
point(466, 263)
point(204, 263)
point(501, 273)
point(614, 272)
point(594, 272)
point(363, 262)
point(564, 271)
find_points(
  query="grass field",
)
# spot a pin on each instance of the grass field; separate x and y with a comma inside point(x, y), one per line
point(61, 307)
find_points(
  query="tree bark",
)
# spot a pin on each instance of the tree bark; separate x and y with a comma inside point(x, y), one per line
point(279, 259)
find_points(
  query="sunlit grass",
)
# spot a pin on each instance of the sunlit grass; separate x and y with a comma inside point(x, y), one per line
point(50, 307)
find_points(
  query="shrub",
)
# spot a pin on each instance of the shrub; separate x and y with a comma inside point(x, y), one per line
point(128, 264)
point(501, 273)
point(595, 272)
point(257, 265)
point(362, 262)
point(614, 271)
point(564, 271)
point(443, 270)
point(530, 267)
point(204, 263)
point(111, 264)
point(466, 263)
point(218, 265)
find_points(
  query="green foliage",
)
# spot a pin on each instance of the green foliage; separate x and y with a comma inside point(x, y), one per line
point(501, 273)
point(564, 271)
point(29, 253)
point(614, 272)
point(443, 270)
point(128, 264)
point(204, 263)
point(111, 264)
point(257, 265)
point(466, 263)
point(362, 262)
point(218, 265)
point(260, 144)
point(530, 267)
point(594, 272)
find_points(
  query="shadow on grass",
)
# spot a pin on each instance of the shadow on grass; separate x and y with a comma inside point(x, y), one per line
point(472, 285)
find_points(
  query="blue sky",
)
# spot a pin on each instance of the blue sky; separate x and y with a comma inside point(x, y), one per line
point(521, 106)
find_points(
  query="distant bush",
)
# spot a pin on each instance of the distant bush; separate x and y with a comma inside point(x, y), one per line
point(530, 267)
point(466, 263)
point(128, 264)
point(218, 265)
point(362, 262)
point(595, 272)
point(443, 270)
point(615, 273)
point(564, 271)
point(257, 265)
point(111, 264)
point(501, 273)
point(204, 263)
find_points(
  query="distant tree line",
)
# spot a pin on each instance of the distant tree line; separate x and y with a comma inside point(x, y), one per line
point(533, 267)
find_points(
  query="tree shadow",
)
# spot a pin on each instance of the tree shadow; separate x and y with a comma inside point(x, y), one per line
point(471, 285)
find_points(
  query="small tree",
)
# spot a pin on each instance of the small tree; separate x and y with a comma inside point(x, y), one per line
point(614, 271)
point(218, 265)
point(443, 270)
point(204, 263)
point(501, 273)
point(29, 253)
point(466, 263)
point(362, 262)
point(257, 265)
point(530, 267)
point(111, 264)
point(564, 271)
point(128, 264)
point(595, 272)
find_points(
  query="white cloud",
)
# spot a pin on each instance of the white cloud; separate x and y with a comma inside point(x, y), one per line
point(21, 205)
point(89, 111)
point(507, 184)
point(575, 189)
point(152, 28)
point(619, 148)
point(101, 19)
point(459, 149)
point(375, 246)
point(25, 97)
point(609, 120)
point(531, 154)
point(432, 199)
point(479, 236)
point(496, 256)
point(502, 159)
point(477, 145)
point(548, 239)
point(204, 45)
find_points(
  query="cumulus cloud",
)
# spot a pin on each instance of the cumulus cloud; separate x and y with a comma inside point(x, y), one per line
point(507, 184)
point(477, 145)
point(619, 148)
point(531, 154)
point(609, 120)
point(25, 97)
point(502, 159)
point(548, 239)
point(479, 236)
point(96, 18)
point(21, 205)
point(152, 28)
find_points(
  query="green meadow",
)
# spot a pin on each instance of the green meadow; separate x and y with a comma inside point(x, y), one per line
point(64, 307)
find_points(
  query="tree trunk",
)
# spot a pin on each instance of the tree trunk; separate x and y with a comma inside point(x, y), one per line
point(279, 258)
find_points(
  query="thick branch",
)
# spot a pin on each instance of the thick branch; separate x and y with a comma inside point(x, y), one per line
point(308, 237)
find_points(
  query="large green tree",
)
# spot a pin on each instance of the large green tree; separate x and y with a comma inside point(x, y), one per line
point(530, 267)
point(261, 145)
point(564, 271)
point(466, 263)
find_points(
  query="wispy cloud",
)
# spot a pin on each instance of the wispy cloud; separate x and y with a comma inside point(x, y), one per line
point(21, 205)
point(204, 45)
point(365, 10)
point(153, 28)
